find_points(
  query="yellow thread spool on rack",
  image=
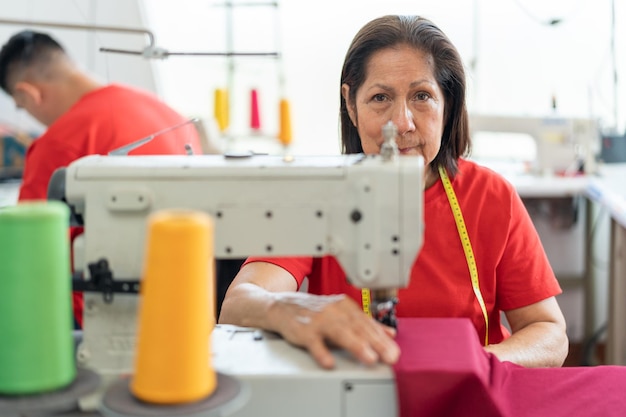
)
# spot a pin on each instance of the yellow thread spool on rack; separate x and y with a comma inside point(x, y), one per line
point(285, 135)
point(221, 111)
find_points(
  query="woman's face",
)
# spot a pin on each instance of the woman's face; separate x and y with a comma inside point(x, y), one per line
point(399, 86)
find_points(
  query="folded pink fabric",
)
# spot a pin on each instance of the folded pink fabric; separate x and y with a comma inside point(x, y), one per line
point(444, 371)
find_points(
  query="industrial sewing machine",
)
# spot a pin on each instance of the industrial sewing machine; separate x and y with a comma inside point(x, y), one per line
point(563, 145)
point(364, 210)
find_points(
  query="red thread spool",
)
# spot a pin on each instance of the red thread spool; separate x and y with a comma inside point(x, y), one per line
point(255, 121)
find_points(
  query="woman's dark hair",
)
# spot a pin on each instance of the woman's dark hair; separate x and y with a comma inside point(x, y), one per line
point(421, 34)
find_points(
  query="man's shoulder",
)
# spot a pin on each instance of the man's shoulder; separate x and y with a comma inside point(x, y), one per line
point(121, 91)
point(112, 100)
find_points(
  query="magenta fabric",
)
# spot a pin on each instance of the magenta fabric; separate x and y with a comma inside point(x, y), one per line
point(598, 391)
point(444, 371)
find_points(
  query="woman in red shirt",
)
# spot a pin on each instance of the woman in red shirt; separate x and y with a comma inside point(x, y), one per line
point(404, 69)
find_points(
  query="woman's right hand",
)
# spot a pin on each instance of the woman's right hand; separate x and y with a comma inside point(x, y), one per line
point(317, 322)
point(264, 295)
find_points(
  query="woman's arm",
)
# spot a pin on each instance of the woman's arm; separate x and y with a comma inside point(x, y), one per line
point(538, 336)
point(264, 295)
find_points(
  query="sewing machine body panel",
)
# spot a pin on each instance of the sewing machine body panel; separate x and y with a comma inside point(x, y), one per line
point(285, 381)
point(108, 345)
point(366, 212)
point(357, 210)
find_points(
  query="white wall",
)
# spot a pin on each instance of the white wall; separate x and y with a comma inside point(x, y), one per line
point(515, 62)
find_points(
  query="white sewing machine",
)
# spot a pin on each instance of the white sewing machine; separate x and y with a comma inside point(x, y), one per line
point(562, 144)
point(366, 211)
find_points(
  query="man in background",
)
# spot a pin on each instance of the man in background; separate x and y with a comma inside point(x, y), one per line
point(83, 116)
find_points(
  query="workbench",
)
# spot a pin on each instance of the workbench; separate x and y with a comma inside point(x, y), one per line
point(609, 191)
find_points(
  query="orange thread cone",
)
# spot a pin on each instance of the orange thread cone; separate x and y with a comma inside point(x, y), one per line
point(176, 316)
point(255, 121)
point(284, 135)
point(221, 108)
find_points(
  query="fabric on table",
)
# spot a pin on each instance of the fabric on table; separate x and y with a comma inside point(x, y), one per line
point(444, 371)
point(573, 391)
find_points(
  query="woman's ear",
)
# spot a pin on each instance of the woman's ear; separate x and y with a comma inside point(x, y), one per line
point(345, 93)
point(26, 94)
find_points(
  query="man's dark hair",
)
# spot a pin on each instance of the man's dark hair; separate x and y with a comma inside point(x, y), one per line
point(23, 50)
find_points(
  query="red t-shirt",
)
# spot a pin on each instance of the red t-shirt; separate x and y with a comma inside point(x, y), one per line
point(101, 121)
point(513, 269)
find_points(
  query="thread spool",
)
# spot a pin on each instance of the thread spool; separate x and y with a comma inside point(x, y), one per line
point(255, 120)
point(177, 313)
point(284, 135)
point(221, 108)
point(36, 348)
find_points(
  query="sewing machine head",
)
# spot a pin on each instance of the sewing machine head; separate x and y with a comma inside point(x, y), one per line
point(367, 211)
point(563, 145)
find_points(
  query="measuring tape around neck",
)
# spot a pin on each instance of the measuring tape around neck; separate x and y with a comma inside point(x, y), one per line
point(467, 249)
point(467, 245)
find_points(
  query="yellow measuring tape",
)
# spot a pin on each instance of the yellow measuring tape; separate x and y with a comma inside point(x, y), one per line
point(467, 248)
point(365, 301)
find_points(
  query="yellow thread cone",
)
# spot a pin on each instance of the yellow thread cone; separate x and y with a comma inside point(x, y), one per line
point(221, 108)
point(172, 363)
point(285, 123)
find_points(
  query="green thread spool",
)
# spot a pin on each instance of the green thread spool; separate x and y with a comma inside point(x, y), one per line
point(36, 343)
